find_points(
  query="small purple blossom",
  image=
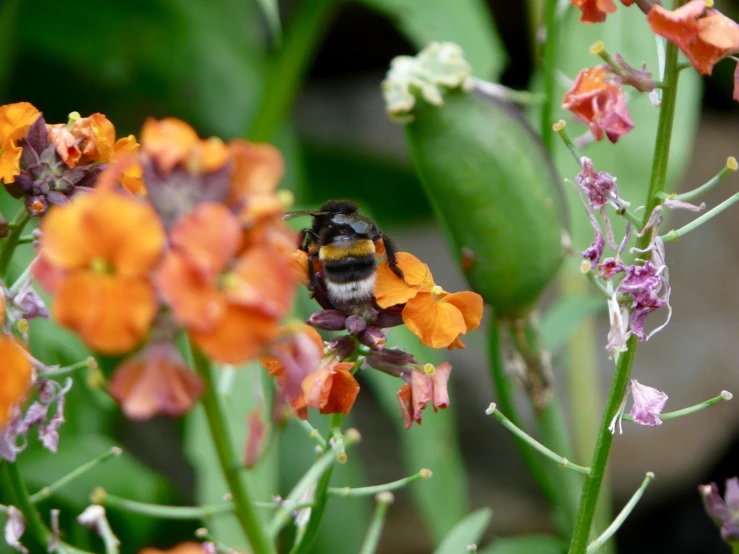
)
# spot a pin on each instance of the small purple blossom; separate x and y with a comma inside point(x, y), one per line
point(600, 187)
point(14, 529)
point(594, 252)
point(723, 511)
point(648, 404)
point(650, 291)
point(94, 518)
point(619, 332)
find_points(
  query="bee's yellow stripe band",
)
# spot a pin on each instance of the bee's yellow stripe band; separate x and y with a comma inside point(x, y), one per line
point(355, 248)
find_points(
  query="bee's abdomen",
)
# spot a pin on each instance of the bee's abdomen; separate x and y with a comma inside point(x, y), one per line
point(349, 270)
point(354, 268)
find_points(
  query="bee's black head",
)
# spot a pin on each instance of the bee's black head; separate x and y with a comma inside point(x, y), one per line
point(339, 207)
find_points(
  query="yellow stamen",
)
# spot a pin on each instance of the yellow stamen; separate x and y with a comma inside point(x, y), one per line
point(100, 265)
point(585, 266)
point(437, 290)
point(709, 3)
point(429, 369)
point(72, 118)
point(597, 48)
point(731, 163)
point(559, 126)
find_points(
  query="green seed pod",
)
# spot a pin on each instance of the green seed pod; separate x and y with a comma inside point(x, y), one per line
point(488, 177)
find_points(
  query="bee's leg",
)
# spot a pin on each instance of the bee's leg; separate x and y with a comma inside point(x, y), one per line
point(306, 238)
point(392, 261)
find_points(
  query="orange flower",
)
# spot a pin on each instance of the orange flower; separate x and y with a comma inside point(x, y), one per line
point(332, 389)
point(156, 381)
point(600, 103)
point(437, 317)
point(170, 142)
point(258, 169)
point(704, 35)
point(107, 244)
point(184, 548)
point(10, 161)
point(594, 11)
point(229, 302)
point(424, 388)
point(15, 376)
point(65, 143)
point(15, 119)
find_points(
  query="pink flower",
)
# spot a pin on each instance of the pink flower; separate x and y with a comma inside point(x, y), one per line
point(648, 404)
point(422, 389)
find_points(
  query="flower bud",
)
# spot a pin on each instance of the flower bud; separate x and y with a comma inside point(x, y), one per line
point(355, 324)
point(374, 337)
point(328, 320)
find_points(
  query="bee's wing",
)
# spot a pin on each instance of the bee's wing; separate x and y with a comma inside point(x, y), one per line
point(301, 213)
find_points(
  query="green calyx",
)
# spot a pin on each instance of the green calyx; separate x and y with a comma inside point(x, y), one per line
point(490, 181)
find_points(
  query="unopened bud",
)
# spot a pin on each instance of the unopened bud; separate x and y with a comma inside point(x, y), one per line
point(374, 337)
point(328, 320)
point(355, 324)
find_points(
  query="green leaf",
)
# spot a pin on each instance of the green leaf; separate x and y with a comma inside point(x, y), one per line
point(627, 33)
point(469, 23)
point(468, 531)
point(565, 316)
point(442, 499)
point(271, 11)
point(210, 485)
point(529, 544)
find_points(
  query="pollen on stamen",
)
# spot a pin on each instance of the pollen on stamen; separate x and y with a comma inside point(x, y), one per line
point(436, 289)
point(429, 369)
point(585, 266)
point(559, 126)
point(731, 163)
point(709, 3)
point(597, 47)
point(72, 118)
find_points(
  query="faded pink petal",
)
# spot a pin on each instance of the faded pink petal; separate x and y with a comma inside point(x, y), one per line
point(256, 433)
point(440, 379)
point(14, 529)
point(422, 388)
point(648, 404)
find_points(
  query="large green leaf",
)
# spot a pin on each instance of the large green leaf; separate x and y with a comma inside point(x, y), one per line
point(529, 544)
point(443, 499)
point(565, 316)
point(469, 23)
point(627, 33)
point(468, 531)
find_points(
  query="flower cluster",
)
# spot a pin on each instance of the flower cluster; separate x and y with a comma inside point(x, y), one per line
point(312, 374)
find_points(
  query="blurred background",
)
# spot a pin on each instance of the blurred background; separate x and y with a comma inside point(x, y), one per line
point(306, 75)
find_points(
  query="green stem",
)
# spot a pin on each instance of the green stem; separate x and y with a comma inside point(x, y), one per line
point(19, 222)
point(34, 524)
point(166, 512)
point(550, 60)
point(372, 539)
point(46, 492)
point(625, 363)
point(730, 167)
point(89, 363)
point(347, 492)
point(313, 433)
point(282, 82)
point(250, 521)
point(504, 390)
point(697, 222)
point(536, 445)
point(725, 395)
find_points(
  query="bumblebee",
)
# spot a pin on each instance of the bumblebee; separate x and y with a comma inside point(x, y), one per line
point(344, 242)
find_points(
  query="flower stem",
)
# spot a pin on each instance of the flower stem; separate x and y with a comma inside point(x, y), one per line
point(500, 92)
point(34, 524)
point(47, 491)
point(371, 540)
point(725, 395)
point(625, 363)
point(621, 517)
point(563, 462)
point(248, 518)
point(16, 228)
point(89, 363)
point(347, 492)
point(730, 167)
point(697, 222)
point(313, 433)
point(550, 59)
point(285, 71)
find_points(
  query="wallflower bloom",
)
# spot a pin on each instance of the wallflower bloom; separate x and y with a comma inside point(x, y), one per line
point(705, 35)
point(106, 243)
point(648, 405)
point(599, 101)
point(15, 376)
point(594, 11)
point(156, 381)
point(437, 317)
point(724, 511)
point(422, 389)
point(15, 120)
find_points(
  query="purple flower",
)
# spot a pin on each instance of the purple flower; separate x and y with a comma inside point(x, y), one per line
point(619, 332)
point(94, 518)
point(594, 252)
point(650, 291)
point(600, 187)
point(648, 404)
point(723, 511)
point(14, 528)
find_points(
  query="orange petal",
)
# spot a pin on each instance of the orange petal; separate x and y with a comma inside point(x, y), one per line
point(208, 238)
point(437, 324)
point(239, 336)
point(65, 143)
point(391, 289)
point(263, 279)
point(155, 382)
point(258, 169)
point(296, 349)
point(10, 161)
point(193, 298)
point(126, 153)
point(331, 389)
point(125, 170)
point(111, 313)
point(169, 141)
point(15, 119)
point(15, 376)
point(184, 548)
point(97, 138)
point(404, 396)
point(594, 11)
point(211, 155)
point(470, 304)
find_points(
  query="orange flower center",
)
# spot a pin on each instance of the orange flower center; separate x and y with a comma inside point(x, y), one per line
point(99, 266)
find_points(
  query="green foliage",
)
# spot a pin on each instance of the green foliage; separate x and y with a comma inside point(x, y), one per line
point(565, 316)
point(527, 544)
point(468, 531)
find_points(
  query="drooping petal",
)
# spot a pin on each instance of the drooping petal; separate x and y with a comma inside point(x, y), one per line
point(15, 376)
point(436, 324)
point(155, 382)
point(648, 404)
point(332, 389)
point(440, 380)
point(256, 435)
point(391, 289)
point(404, 399)
point(111, 313)
point(14, 529)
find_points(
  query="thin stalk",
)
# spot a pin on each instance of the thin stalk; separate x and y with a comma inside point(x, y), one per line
point(347, 492)
point(35, 526)
point(89, 363)
point(550, 60)
point(730, 167)
point(250, 521)
point(536, 445)
point(596, 545)
point(625, 363)
point(166, 512)
point(285, 71)
point(47, 491)
point(504, 391)
point(697, 222)
point(313, 433)
point(16, 228)
point(372, 539)
point(725, 395)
